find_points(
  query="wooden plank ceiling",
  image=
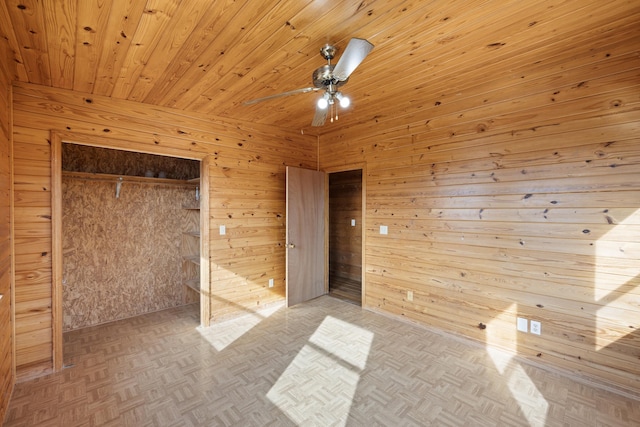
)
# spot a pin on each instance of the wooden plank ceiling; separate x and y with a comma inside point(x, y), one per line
point(204, 56)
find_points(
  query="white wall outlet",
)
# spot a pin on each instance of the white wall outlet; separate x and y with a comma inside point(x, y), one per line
point(271, 283)
point(384, 229)
point(522, 324)
point(353, 222)
point(409, 295)
point(223, 230)
point(536, 327)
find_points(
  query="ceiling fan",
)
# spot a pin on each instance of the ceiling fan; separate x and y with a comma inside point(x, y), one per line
point(329, 78)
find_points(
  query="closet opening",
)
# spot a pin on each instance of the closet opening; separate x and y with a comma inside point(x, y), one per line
point(127, 237)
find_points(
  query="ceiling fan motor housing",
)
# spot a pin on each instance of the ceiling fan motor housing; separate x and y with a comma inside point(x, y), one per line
point(323, 77)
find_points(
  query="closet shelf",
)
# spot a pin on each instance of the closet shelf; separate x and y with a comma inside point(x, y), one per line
point(192, 258)
point(127, 178)
point(191, 244)
point(193, 284)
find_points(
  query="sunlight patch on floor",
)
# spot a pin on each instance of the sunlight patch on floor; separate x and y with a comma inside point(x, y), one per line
point(319, 384)
point(221, 335)
point(344, 340)
point(523, 390)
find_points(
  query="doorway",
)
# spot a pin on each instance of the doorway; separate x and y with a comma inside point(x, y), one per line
point(346, 235)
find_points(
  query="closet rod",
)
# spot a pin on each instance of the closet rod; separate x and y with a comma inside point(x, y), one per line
point(104, 177)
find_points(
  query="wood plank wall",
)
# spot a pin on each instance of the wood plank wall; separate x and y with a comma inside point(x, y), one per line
point(7, 374)
point(516, 198)
point(247, 164)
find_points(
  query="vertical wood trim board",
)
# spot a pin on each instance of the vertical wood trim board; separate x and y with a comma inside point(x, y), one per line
point(495, 214)
point(205, 264)
point(363, 233)
point(246, 162)
point(327, 232)
point(7, 330)
point(57, 250)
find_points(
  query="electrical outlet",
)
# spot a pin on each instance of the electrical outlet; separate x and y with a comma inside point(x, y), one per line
point(384, 229)
point(409, 295)
point(536, 327)
point(522, 324)
point(223, 230)
point(271, 283)
point(353, 222)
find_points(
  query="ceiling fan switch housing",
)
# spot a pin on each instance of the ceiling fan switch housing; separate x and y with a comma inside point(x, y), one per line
point(328, 51)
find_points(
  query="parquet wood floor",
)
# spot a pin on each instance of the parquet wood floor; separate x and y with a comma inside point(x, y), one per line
point(320, 363)
point(346, 289)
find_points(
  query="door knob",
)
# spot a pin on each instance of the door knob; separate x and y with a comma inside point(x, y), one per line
point(291, 245)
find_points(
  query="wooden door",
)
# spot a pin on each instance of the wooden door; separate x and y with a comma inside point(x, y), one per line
point(305, 235)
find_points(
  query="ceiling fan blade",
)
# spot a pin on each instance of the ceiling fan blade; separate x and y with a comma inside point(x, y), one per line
point(353, 55)
point(281, 95)
point(320, 116)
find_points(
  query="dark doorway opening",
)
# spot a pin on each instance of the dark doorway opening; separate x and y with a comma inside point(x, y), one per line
point(345, 235)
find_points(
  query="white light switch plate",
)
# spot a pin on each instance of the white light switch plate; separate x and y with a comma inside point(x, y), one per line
point(384, 229)
point(353, 222)
point(271, 283)
point(523, 324)
point(223, 230)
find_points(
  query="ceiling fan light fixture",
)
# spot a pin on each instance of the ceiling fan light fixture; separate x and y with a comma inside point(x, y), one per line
point(323, 103)
point(344, 101)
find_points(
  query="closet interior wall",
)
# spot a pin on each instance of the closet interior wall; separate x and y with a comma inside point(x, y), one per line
point(121, 248)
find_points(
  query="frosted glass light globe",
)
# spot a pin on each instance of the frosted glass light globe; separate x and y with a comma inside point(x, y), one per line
point(322, 103)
